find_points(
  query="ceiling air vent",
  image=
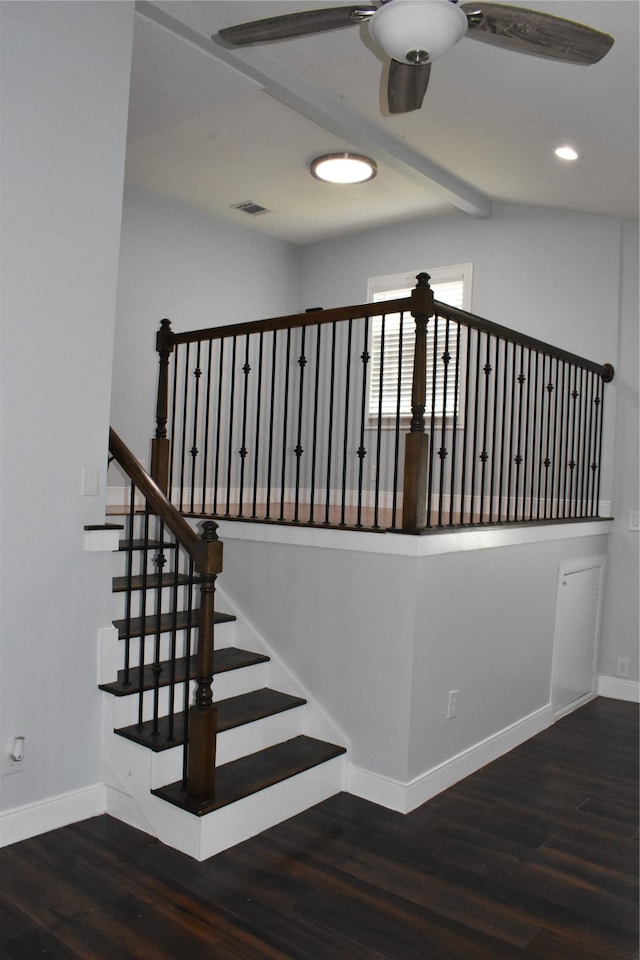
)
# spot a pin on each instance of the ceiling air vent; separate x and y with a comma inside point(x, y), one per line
point(248, 206)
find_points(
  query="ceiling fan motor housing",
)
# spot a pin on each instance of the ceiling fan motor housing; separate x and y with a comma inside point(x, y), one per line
point(418, 31)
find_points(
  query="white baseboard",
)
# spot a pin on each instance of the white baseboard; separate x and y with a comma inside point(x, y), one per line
point(617, 689)
point(32, 819)
point(405, 797)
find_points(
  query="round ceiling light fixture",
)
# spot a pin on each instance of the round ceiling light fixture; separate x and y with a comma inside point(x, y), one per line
point(343, 168)
point(418, 31)
point(566, 153)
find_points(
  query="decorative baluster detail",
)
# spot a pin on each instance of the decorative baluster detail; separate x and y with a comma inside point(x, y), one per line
point(416, 453)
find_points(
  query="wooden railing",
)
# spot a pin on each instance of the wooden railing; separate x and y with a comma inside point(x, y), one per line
point(157, 535)
point(406, 415)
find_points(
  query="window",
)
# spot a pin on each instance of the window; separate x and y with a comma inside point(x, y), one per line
point(451, 285)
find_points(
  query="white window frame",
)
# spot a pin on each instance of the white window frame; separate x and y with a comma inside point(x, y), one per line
point(398, 285)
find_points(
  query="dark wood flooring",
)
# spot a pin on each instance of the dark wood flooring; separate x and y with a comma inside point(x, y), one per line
point(534, 857)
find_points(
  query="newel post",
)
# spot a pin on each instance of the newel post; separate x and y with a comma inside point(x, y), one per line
point(160, 443)
point(414, 499)
point(203, 713)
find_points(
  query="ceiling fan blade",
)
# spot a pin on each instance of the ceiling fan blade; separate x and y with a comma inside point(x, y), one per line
point(535, 33)
point(295, 24)
point(407, 86)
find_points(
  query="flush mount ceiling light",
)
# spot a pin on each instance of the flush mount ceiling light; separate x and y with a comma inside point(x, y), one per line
point(343, 168)
point(566, 153)
point(419, 31)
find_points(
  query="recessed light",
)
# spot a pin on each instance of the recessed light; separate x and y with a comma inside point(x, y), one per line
point(343, 168)
point(566, 153)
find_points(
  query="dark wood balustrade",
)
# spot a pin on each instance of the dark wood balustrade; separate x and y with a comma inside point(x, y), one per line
point(283, 420)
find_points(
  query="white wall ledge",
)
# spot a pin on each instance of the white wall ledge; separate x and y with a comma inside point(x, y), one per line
point(406, 545)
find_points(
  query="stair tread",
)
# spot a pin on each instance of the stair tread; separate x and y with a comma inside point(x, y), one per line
point(224, 659)
point(138, 626)
point(233, 712)
point(142, 544)
point(255, 772)
point(121, 584)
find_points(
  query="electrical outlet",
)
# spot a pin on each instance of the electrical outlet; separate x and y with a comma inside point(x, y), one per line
point(9, 765)
point(452, 707)
point(622, 667)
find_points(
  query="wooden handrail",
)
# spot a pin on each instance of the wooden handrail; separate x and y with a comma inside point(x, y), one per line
point(201, 551)
point(319, 316)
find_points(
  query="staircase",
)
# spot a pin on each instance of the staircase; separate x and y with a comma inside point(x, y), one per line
point(272, 758)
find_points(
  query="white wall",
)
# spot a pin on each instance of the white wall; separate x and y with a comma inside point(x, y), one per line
point(380, 627)
point(196, 270)
point(65, 82)
point(620, 615)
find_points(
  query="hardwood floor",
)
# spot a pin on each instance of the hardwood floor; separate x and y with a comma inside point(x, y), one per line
point(535, 857)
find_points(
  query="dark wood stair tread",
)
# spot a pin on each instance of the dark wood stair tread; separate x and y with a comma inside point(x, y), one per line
point(138, 582)
point(136, 627)
point(224, 659)
point(143, 544)
point(255, 772)
point(233, 712)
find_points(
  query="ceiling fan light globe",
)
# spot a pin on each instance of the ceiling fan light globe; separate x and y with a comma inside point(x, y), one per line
point(428, 27)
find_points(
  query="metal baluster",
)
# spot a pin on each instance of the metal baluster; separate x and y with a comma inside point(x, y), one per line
point(345, 436)
point(274, 367)
point(285, 420)
point(144, 560)
point(188, 647)
point(256, 460)
point(529, 440)
point(232, 394)
point(494, 432)
point(156, 669)
point(197, 374)
point(246, 370)
point(507, 388)
point(443, 452)
point(533, 421)
point(583, 457)
point(589, 458)
point(474, 448)
point(484, 455)
point(327, 512)
point(207, 417)
point(129, 591)
point(185, 407)
point(376, 507)
point(174, 414)
point(396, 454)
point(432, 370)
point(454, 426)
point(302, 362)
point(314, 443)
point(465, 429)
point(216, 474)
point(175, 586)
point(364, 357)
point(522, 379)
point(600, 411)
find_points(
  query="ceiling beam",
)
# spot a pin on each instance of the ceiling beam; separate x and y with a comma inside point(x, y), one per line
point(289, 88)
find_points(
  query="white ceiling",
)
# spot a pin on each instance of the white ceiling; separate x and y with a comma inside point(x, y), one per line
point(204, 129)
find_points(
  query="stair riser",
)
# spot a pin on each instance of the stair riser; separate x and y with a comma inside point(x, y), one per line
point(223, 637)
point(260, 811)
point(151, 595)
point(231, 683)
point(166, 766)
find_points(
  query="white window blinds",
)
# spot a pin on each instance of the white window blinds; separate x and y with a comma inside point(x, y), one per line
point(392, 346)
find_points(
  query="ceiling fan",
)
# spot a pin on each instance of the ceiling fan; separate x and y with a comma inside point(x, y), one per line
point(414, 33)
